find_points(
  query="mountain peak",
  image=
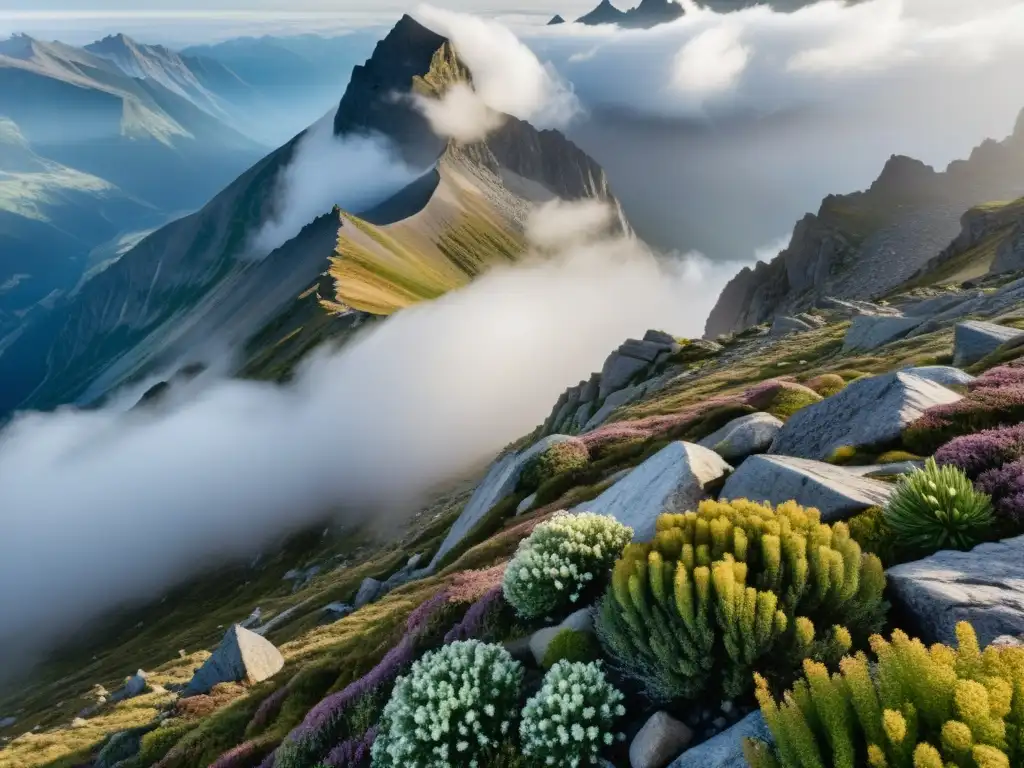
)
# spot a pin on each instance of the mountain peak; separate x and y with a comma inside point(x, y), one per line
point(18, 46)
point(408, 53)
point(605, 13)
point(556, 19)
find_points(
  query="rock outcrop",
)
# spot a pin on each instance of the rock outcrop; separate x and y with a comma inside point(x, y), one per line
point(869, 332)
point(726, 749)
point(242, 656)
point(501, 480)
point(753, 433)
point(868, 413)
point(865, 244)
point(945, 375)
point(974, 340)
point(991, 241)
point(837, 493)
point(672, 480)
point(984, 586)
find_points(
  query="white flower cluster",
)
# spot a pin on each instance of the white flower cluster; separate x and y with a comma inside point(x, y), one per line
point(453, 708)
point(572, 717)
point(561, 559)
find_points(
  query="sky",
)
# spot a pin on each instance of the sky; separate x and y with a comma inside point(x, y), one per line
point(184, 22)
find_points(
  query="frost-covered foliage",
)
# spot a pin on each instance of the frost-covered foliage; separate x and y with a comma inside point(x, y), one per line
point(938, 508)
point(562, 560)
point(1005, 485)
point(561, 457)
point(918, 707)
point(571, 645)
point(453, 708)
point(735, 588)
point(982, 451)
point(993, 400)
point(572, 718)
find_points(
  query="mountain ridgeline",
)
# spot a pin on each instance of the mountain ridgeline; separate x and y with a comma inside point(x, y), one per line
point(864, 245)
point(194, 280)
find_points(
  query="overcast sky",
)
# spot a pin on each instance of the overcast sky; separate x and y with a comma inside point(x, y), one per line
point(191, 21)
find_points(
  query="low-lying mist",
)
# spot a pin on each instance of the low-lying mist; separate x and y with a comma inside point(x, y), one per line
point(720, 130)
point(102, 508)
point(354, 172)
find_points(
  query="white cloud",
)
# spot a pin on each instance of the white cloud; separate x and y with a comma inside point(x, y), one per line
point(559, 224)
point(101, 507)
point(507, 75)
point(355, 173)
point(710, 62)
point(459, 114)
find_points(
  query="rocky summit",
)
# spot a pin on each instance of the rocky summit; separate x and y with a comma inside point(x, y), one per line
point(795, 543)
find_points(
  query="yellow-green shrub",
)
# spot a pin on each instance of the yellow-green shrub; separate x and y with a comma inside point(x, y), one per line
point(733, 588)
point(571, 645)
point(919, 708)
point(827, 384)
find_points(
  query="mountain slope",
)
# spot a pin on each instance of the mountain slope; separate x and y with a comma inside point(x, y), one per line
point(865, 244)
point(51, 217)
point(137, 134)
point(190, 282)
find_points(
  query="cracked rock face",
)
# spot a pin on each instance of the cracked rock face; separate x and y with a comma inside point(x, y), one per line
point(984, 586)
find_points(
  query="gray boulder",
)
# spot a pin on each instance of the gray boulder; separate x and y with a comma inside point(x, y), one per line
point(868, 332)
point(133, 687)
point(500, 481)
point(369, 591)
point(613, 401)
point(580, 621)
point(526, 503)
point(984, 586)
point(753, 433)
point(974, 340)
point(936, 304)
point(242, 656)
point(888, 470)
point(660, 337)
point(333, 612)
point(628, 360)
point(726, 749)
point(946, 375)
point(672, 480)
point(661, 739)
point(254, 619)
point(838, 494)
point(122, 746)
point(7, 722)
point(868, 412)
point(785, 326)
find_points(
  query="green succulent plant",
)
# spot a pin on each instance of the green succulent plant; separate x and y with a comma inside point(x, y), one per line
point(938, 508)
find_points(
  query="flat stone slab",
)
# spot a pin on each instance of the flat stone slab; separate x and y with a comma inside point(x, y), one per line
point(974, 340)
point(672, 480)
point(501, 480)
point(837, 493)
point(984, 586)
point(753, 433)
point(867, 413)
point(945, 375)
point(868, 332)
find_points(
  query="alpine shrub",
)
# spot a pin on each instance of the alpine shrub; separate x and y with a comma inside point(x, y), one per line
point(572, 717)
point(571, 645)
point(919, 707)
point(562, 560)
point(556, 460)
point(737, 587)
point(827, 384)
point(986, 450)
point(451, 709)
point(993, 400)
point(1006, 487)
point(938, 508)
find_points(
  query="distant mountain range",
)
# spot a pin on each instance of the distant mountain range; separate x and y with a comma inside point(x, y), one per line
point(189, 281)
point(648, 13)
point(864, 244)
point(101, 143)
